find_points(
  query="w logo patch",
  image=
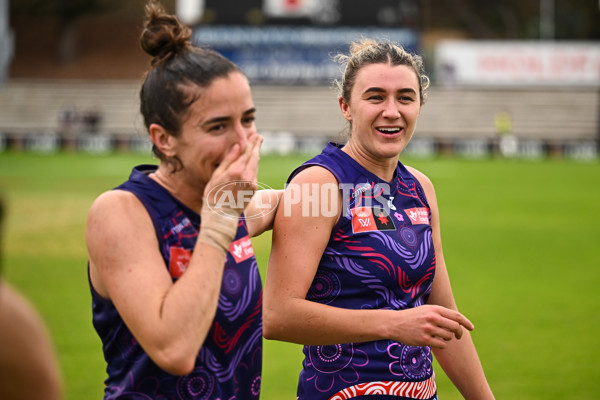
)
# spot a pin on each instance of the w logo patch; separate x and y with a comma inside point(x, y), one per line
point(368, 219)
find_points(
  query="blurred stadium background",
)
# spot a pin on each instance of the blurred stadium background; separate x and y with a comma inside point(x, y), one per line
point(70, 70)
point(69, 78)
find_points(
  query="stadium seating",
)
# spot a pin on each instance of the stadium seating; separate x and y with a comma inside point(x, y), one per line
point(547, 114)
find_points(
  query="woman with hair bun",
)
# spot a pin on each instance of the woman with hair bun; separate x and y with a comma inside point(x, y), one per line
point(176, 292)
point(356, 272)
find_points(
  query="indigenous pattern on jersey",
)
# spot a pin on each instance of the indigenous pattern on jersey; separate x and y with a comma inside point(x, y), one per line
point(229, 363)
point(380, 256)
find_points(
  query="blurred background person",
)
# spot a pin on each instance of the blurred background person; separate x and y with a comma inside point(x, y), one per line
point(28, 365)
point(508, 144)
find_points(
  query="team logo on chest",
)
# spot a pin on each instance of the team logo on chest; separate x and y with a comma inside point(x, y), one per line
point(368, 219)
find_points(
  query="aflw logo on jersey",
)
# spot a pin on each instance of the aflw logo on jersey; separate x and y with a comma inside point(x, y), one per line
point(368, 219)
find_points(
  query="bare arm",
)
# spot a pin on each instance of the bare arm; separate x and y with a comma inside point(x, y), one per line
point(260, 213)
point(28, 365)
point(169, 320)
point(459, 358)
point(299, 239)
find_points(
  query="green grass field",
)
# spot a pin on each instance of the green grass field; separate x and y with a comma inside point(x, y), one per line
point(520, 240)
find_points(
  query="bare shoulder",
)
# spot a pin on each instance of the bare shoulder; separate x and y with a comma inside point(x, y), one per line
point(423, 179)
point(315, 174)
point(17, 312)
point(115, 200)
point(312, 198)
point(115, 218)
point(119, 234)
point(118, 211)
point(116, 207)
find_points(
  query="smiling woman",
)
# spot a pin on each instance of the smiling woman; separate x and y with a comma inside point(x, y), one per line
point(167, 264)
point(365, 288)
point(383, 109)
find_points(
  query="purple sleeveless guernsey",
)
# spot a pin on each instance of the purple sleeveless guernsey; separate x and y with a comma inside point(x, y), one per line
point(380, 256)
point(229, 363)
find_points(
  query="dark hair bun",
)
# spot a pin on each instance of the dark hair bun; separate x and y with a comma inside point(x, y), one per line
point(164, 35)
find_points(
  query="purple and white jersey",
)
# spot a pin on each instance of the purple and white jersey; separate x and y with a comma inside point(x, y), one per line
point(229, 363)
point(380, 256)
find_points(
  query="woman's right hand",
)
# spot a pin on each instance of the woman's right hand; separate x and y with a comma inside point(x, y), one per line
point(234, 181)
point(228, 193)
